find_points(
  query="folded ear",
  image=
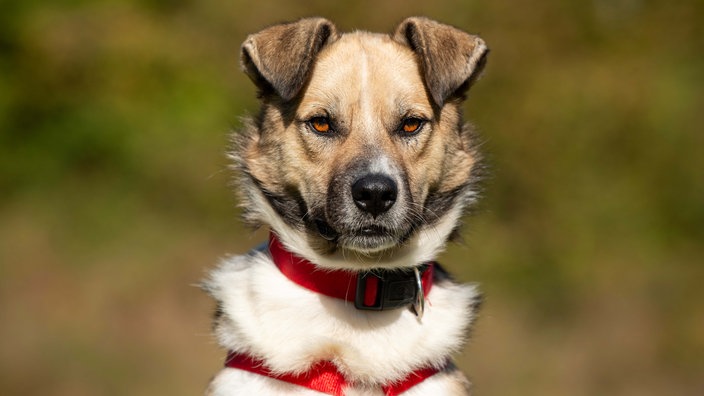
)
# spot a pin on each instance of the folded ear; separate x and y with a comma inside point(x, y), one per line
point(280, 57)
point(451, 60)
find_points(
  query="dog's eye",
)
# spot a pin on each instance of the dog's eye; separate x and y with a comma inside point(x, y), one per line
point(411, 125)
point(320, 124)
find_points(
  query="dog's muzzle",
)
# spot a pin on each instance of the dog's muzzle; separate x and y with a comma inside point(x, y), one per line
point(364, 210)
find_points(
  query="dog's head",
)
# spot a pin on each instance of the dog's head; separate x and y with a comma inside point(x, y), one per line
point(359, 155)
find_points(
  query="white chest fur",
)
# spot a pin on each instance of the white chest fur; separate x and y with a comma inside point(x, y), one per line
point(264, 314)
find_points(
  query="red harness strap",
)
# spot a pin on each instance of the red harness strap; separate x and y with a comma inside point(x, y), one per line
point(324, 376)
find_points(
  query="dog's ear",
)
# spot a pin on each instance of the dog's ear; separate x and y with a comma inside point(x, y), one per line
point(280, 57)
point(451, 60)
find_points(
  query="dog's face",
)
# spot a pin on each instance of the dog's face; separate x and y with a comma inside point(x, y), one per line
point(360, 145)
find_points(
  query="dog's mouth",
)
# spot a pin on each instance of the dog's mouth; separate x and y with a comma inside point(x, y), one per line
point(366, 239)
point(371, 231)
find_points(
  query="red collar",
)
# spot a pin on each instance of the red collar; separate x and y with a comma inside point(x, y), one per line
point(371, 290)
point(324, 376)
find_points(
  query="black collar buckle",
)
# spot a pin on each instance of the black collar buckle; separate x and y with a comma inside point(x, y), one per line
point(394, 289)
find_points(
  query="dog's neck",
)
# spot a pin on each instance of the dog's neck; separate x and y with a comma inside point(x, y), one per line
point(369, 290)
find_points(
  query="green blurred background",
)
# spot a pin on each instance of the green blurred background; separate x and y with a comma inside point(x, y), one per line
point(115, 197)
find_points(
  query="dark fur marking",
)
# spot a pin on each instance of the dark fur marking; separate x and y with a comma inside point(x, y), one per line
point(218, 314)
point(291, 207)
point(439, 203)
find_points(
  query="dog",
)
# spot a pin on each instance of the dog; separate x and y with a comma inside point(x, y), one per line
point(361, 166)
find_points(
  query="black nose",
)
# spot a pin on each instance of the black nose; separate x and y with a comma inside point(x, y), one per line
point(374, 193)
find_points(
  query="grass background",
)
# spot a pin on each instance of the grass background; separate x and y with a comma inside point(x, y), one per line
point(114, 195)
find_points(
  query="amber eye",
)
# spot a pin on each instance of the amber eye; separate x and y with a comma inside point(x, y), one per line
point(320, 124)
point(411, 125)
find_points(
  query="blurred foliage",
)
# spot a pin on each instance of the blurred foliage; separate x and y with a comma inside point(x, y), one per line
point(115, 197)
